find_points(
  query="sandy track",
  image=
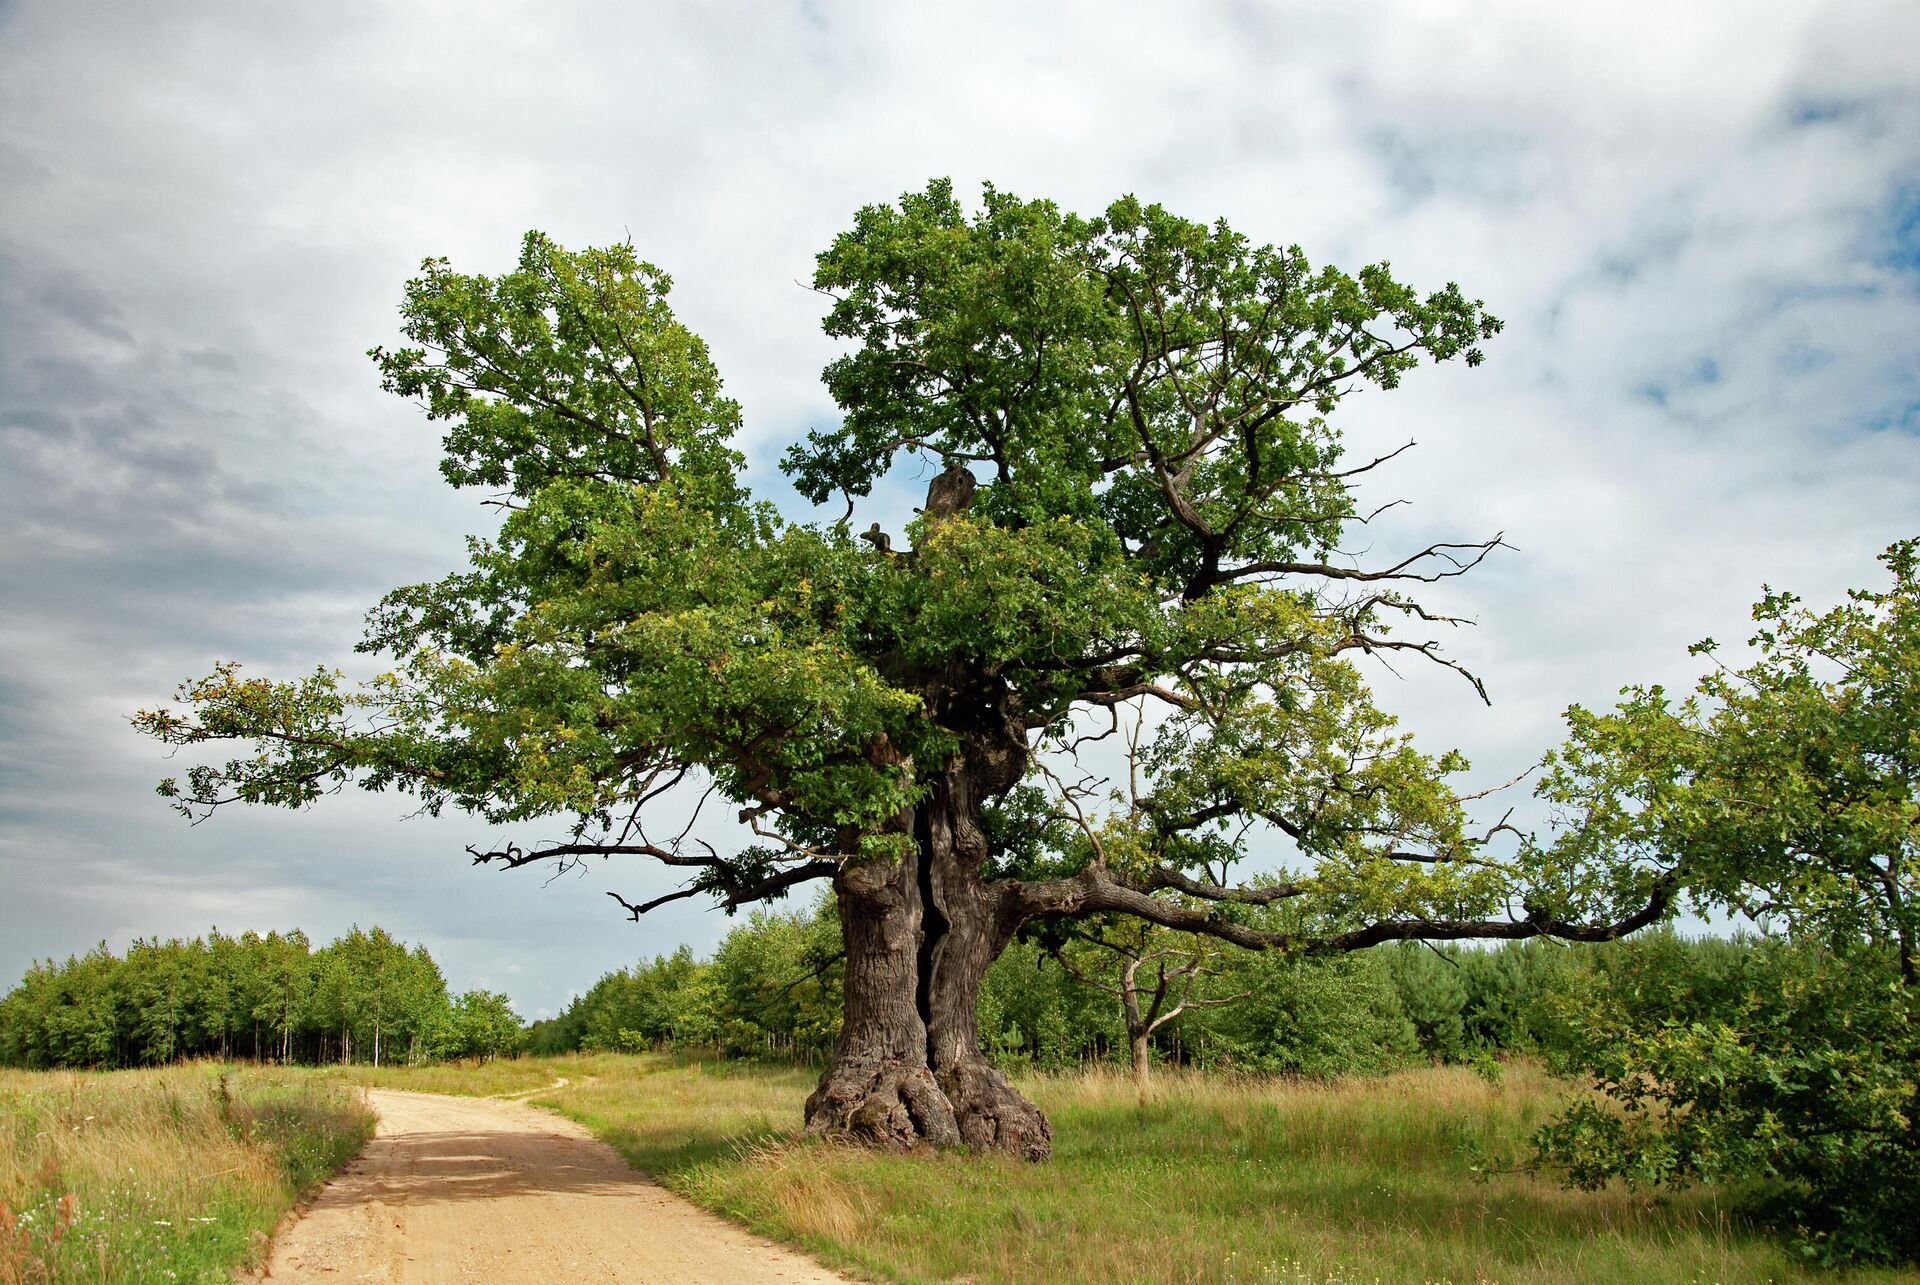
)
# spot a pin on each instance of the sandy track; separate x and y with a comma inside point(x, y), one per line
point(478, 1189)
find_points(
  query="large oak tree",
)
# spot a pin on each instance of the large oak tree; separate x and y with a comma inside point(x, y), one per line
point(1138, 502)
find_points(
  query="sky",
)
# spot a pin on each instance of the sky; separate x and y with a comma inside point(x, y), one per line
point(1700, 222)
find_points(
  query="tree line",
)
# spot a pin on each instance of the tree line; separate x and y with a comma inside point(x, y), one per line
point(772, 987)
point(362, 997)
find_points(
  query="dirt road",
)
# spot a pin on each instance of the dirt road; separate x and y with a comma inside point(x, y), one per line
point(478, 1189)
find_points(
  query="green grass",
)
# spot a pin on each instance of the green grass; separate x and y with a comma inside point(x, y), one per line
point(525, 1077)
point(467, 1080)
point(164, 1175)
point(1214, 1180)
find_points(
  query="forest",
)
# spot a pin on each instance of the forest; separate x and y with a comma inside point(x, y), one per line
point(363, 997)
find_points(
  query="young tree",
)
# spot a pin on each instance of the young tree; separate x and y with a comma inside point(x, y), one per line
point(1785, 792)
point(482, 1025)
point(1154, 973)
point(1325, 1015)
point(1140, 498)
point(162, 993)
point(347, 1001)
point(286, 989)
point(423, 1003)
point(249, 979)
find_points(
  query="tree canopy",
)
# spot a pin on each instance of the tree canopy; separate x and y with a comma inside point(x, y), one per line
point(1140, 505)
point(1788, 788)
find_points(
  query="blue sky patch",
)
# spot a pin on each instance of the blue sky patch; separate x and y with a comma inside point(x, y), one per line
point(1661, 392)
point(1805, 359)
point(1904, 420)
point(1902, 229)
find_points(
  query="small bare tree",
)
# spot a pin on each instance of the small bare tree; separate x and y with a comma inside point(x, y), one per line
point(1172, 972)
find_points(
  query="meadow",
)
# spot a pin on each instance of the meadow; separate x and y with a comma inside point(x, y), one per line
point(1215, 1178)
point(174, 1174)
point(179, 1174)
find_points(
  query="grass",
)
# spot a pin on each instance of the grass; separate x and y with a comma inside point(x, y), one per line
point(521, 1077)
point(1214, 1180)
point(485, 1079)
point(168, 1175)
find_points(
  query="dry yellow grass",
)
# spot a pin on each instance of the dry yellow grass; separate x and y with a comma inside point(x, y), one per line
point(812, 1200)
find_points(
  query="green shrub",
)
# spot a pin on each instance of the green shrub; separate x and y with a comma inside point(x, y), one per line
point(1324, 1017)
point(1788, 1065)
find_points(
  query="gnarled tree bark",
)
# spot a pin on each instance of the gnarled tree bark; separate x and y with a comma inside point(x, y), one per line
point(920, 932)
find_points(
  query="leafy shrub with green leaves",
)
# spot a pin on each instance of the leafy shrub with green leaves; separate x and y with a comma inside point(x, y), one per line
point(1787, 792)
point(1315, 1016)
point(480, 1024)
point(772, 986)
point(1792, 1067)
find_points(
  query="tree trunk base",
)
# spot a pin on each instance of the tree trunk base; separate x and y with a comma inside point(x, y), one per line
point(902, 1106)
point(992, 1116)
point(897, 1106)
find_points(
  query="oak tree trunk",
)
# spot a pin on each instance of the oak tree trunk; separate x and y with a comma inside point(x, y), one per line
point(907, 1071)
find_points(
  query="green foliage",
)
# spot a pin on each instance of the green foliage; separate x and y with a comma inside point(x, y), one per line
point(775, 983)
point(1032, 1011)
point(765, 992)
point(1468, 1005)
point(1787, 791)
point(1791, 1066)
point(1434, 996)
point(573, 366)
point(1144, 404)
point(649, 1004)
point(1321, 1017)
point(1018, 335)
point(772, 986)
point(365, 995)
point(481, 1025)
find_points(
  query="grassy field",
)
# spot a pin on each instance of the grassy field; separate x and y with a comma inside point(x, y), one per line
point(1215, 1180)
point(166, 1175)
point(466, 1079)
point(176, 1175)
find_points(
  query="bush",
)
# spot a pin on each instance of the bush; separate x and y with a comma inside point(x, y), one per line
point(1785, 1064)
point(1334, 1016)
